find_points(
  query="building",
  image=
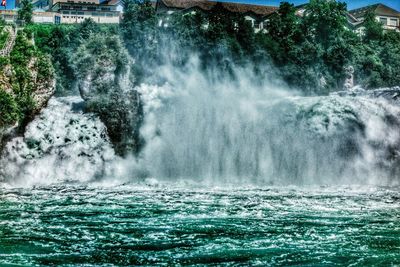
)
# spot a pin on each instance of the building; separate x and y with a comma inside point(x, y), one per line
point(46, 17)
point(77, 11)
point(70, 11)
point(256, 14)
point(40, 5)
point(389, 17)
point(10, 16)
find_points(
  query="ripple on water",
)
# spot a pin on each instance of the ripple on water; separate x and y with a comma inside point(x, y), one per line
point(128, 225)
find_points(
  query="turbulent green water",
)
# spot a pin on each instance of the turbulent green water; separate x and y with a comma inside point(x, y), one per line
point(134, 225)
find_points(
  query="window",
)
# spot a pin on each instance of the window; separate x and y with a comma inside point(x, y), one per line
point(80, 13)
point(93, 8)
point(394, 22)
point(65, 12)
point(384, 21)
point(105, 9)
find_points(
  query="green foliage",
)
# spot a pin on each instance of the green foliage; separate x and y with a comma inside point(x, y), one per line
point(99, 49)
point(22, 81)
point(139, 28)
point(25, 13)
point(9, 111)
point(378, 64)
point(310, 52)
point(297, 46)
point(26, 104)
point(23, 51)
point(373, 29)
point(2, 23)
point(325, 21)
point(44, 68)
point(320, 43)
point(284, 28)
point(61, 42)
point(3, 38)
point(4, 61)
point(20, 58)
point(103, 60)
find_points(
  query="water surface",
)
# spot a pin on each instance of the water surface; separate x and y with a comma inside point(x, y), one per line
point(163, 225)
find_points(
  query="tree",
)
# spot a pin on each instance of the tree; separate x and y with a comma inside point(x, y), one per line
point(284, 25)
point(373, 28)
point(139, 24)
point(87, 27)
point(325, 21)
point(26, 11)
point(9, 111)
point(284, 28)
point(139, 29)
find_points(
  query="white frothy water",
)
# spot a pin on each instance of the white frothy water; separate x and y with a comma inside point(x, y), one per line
point(61, 145)
point(243, 131)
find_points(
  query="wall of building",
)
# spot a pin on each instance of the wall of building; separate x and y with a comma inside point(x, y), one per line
point(74, 12)
point(53, 2)
point(44, 17)
point(70, 17)
point(389, 22)
point(8, 15)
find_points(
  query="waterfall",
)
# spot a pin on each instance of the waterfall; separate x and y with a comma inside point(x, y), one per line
point(213, 129)
point(61, 145)
point(227, 131)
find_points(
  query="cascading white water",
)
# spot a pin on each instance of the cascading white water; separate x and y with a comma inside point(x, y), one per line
point(217, 130)
point(246, 132)
point(61, 145)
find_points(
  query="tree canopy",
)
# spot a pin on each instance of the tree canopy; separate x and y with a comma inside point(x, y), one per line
point(25, 13)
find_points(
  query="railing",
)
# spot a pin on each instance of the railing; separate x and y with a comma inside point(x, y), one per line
point(8, 46)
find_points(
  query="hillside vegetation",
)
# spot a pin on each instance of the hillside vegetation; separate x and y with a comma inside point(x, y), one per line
point(26, 83)
point(309, 53)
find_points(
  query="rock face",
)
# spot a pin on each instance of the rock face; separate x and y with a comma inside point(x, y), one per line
point(349, 81)
point(61, 144)
point(43, 91)
point(44, 88)
point(27, 83)
point(106, 84)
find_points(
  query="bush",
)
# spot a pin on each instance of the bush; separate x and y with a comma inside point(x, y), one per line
point(4, 61)
point(9, 111)
point(3, 38)
point(45, 70)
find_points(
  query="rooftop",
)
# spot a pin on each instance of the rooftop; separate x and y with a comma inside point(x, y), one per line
point(376, 8)
point(208, 5)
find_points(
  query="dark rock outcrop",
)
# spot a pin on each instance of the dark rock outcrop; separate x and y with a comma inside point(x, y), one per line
point(106, 84)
